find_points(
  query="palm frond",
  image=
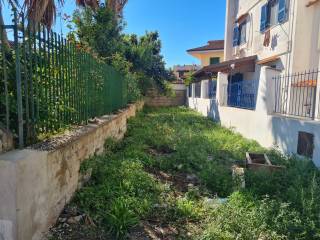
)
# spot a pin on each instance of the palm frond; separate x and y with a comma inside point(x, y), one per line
point(117, 5)
point(44, 11)
point(94, 4)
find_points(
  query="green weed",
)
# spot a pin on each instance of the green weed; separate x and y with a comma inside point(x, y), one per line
point(279, 205)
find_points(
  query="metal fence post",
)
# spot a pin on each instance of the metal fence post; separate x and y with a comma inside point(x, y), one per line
point(18, 80)
point(5, 76)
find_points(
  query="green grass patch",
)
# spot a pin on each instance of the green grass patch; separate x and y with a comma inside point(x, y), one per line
point(178, 141)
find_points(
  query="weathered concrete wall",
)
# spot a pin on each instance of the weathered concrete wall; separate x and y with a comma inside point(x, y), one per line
point(154, 99)
point(36, 184)
point(6, 140)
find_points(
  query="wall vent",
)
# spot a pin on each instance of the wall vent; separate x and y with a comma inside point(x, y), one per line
point(305, 144)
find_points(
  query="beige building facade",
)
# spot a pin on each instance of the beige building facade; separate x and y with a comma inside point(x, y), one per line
point(268, 85)
point(208, 54)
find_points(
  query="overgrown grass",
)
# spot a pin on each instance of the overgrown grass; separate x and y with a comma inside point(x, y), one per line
point(122, 192)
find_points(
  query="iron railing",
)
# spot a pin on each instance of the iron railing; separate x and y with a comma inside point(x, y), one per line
point(296, 94)
point(48, 83)
point(242, 94)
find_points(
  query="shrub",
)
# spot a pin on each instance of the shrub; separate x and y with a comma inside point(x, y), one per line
point(120, 218)
point(246, 218)
point(119, 193)
point(218, 179)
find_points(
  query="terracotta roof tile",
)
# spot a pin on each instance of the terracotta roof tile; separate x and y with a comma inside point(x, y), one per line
point(212, 45)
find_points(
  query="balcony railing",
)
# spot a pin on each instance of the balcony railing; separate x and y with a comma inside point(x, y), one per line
point(296, 94)
point(242, 94)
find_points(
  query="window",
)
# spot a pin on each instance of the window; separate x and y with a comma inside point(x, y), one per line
point(282, 12)
point(243, 33)
point(236, 36)
point(264, 18)
point(240, 34)
point(272, 13)
point(197, 90)
point(214, 60)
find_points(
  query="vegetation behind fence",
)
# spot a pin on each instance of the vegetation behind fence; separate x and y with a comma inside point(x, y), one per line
point(48, 83)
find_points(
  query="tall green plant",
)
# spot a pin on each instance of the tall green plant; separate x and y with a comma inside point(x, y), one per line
point(141, 59)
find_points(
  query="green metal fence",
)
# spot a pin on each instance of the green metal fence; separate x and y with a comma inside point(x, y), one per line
point(48, 83)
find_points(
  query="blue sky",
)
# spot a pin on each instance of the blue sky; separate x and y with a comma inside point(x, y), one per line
point(182, 24)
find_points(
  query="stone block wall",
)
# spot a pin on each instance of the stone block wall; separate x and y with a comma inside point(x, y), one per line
point(155, 99)
point(36, 183)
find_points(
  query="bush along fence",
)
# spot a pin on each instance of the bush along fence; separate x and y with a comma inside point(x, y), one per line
point(48, 83)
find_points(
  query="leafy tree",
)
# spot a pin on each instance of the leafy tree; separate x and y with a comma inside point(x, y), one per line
point(101, 31)
point(146, 58)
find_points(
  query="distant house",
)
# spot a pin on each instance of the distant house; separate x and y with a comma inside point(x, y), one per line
point(268, 86)
point(211, 54)
point(181, 71)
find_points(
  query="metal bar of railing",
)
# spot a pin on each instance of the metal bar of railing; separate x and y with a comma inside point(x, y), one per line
point(296, 94)
point(242, 94)
point(18, 80)
point(31, 75)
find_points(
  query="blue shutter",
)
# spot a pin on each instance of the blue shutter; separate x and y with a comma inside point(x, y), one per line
point(264, 18)
point(282, 13)
point(236, 36)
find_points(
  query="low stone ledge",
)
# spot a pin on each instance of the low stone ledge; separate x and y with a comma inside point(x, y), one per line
point(37, 182)
point(6, 140)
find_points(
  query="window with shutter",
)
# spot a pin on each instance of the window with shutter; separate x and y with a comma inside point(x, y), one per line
point(214, 60)
point(243, 33)
point(264, 18)
point(236, 36)
point(273, 13)
point(282, 13)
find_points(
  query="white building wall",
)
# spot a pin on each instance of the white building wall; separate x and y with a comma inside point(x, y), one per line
point(279, 34)
point(297, 44)
point(259, 124)
point(306, 37)
point(296, 41)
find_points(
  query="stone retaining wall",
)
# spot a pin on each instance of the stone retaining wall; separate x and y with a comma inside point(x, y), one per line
point(154, 99)
point(36, 183)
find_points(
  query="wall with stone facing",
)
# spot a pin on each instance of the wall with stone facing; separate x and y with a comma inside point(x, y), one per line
point(155, 99)
point(37, 182)
point(6, 140)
